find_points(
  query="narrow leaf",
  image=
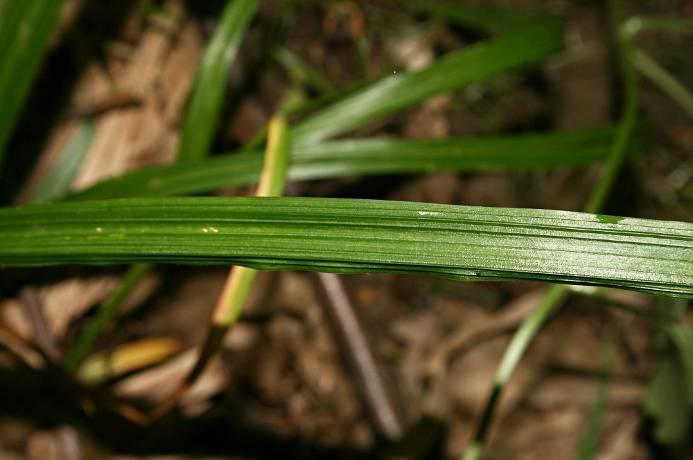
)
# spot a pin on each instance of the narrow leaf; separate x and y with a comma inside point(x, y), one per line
point(25, 28)
point(557, 294)
point(357, 236)
point(396, 92)
point(57, 183)
point(301, 71)
point(208, 93)
point(103, 315)
point(366, 157)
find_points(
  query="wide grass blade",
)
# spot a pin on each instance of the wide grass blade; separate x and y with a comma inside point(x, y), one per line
point(208, 93)
point(366, 157)
point(401, 90)
point(357, 236)
point(25, 28)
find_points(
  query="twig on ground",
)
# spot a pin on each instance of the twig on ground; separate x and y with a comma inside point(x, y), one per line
point(357, 351)
point(34, 314)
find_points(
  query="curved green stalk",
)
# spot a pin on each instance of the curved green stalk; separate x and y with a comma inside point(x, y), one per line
point(301, 71)
point(557, 294)
point(662, 78)
point(647, 66)
point(104, 314)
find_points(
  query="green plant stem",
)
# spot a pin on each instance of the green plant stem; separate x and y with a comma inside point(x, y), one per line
point(626, 125)
point(557, 294)
point(240, 279)
point(648, 66)
point(103, 316)
point(272, 181)
point(511, 358)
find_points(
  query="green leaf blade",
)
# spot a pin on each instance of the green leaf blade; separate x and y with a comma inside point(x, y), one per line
point(394, 93)
point(357, 236)
point(208, 93)
point(366, 157)
point(57, 183)
point(25, 29)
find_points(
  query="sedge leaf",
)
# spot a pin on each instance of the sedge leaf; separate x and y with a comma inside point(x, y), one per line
point(520, 47)
point(25, 28)
point(57, 183)
point(357, 236)
point(557, 294)
point(208, 93)
point(365, 157)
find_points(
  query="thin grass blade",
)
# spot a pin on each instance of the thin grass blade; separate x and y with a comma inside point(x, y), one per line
point(95, 327)
point(556, 295)
point(366, 157)
point(25, 28)
point(57, 183)
point(396, 92)
point(208, 93)
point(198, 132)
point(664, 80)
point(301, 71)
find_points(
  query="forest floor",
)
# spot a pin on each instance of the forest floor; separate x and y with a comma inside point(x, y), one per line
point(283, 380)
